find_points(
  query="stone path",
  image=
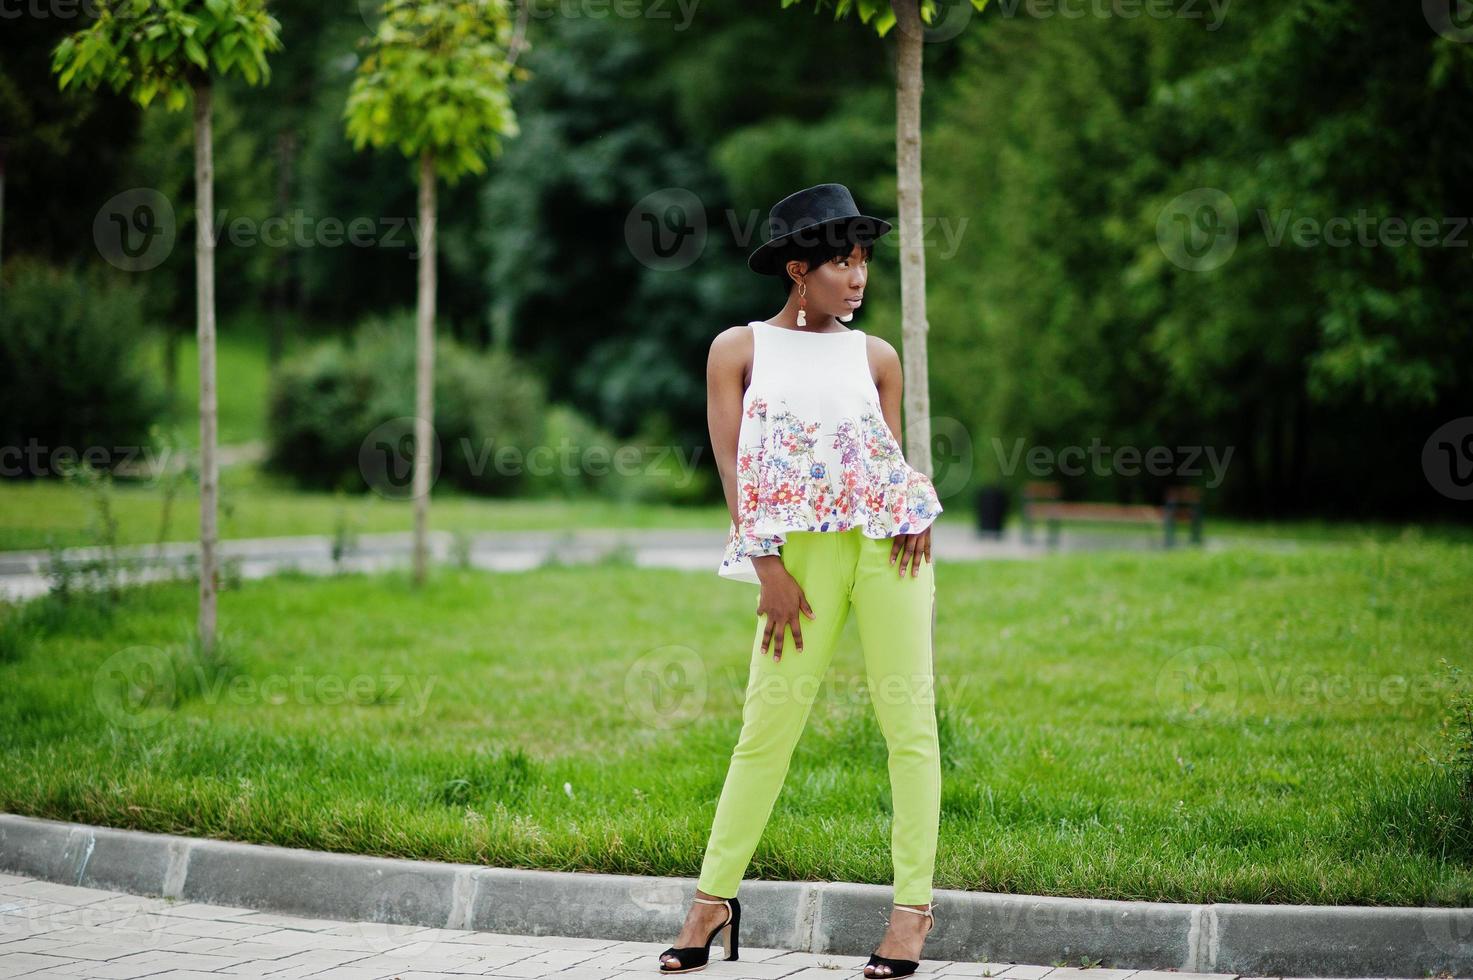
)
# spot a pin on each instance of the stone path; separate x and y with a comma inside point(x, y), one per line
point(50, 930)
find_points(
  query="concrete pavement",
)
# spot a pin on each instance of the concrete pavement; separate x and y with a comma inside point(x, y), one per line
point(64, 931)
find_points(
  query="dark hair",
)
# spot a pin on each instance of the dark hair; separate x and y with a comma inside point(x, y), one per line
point(825, 249)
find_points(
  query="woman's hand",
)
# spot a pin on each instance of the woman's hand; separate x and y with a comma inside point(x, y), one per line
point(910, 549)
point(781, 600)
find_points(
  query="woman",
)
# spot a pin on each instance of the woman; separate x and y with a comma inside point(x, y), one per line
point(826, 516)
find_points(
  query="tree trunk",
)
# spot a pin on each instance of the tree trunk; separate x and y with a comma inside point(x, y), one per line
point(424, 379)
point(204, 273)
point(909, 47)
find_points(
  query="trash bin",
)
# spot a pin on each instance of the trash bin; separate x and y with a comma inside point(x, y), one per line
point(992, 509)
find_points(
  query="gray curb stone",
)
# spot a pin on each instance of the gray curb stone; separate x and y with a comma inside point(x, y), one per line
point(818, 917)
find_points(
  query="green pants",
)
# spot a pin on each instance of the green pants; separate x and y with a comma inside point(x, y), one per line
point(896, 619)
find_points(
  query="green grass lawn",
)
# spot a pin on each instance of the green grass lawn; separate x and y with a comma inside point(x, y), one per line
point(1243, 726)
point(255, 504)
point(241, 389)
point(242, 373)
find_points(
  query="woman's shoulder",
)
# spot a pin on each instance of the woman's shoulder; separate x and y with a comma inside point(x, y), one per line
point(738, 335)
point(880, 349)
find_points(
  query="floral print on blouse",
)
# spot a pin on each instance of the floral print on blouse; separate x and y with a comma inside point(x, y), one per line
point(792, 475)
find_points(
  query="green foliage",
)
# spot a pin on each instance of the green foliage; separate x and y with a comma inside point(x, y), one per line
point(164, 48)
point(435, 81)
point(325, 402)
point(1457, 731)
point(879, 11)
point(564, 426)
point(71, 358)
point(103, 571)
point(1062, 318)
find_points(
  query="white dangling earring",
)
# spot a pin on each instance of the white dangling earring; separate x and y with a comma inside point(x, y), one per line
point(802, 299)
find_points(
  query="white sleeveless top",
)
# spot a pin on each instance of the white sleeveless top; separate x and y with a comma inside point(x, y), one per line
point(814, 452)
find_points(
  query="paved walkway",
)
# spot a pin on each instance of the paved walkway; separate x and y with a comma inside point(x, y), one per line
point(23, 573)
point(50, 930)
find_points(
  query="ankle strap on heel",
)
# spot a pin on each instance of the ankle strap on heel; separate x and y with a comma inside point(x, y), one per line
point(925, 911)
point(713, 901)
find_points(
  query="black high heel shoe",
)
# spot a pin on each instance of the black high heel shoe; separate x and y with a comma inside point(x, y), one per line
point(692, 958)
point(901, 968)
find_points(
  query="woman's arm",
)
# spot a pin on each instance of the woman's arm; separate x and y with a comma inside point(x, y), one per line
point(885, 368)
point(781, 599)
point(726, 369)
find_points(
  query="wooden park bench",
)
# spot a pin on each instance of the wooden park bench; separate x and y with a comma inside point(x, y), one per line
point(1041, 502)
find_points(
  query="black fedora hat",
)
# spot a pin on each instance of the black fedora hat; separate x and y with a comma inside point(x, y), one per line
point(807, 216)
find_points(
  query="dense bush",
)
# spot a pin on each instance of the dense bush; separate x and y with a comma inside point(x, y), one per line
point(73, 368)
point(326, 402)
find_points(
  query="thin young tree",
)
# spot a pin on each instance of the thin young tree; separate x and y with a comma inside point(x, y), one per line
point(913, 17)
point(173, 50)
point(434, 84)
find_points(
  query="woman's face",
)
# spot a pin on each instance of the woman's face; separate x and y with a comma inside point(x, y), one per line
point(837, 286)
